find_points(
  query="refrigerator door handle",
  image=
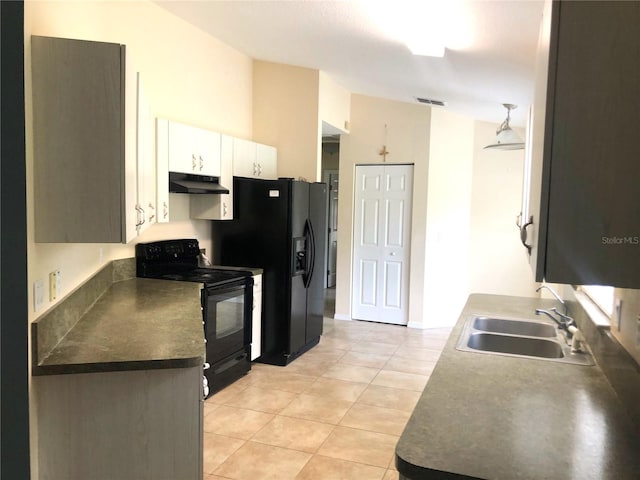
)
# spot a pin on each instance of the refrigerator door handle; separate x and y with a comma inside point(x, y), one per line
point(311, 253)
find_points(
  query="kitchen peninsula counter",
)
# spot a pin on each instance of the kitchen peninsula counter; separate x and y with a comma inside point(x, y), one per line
point(118, 380)
point(136, 324)
point(485, 416)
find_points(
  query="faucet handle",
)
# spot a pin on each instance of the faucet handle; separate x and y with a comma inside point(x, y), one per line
point(567, 319)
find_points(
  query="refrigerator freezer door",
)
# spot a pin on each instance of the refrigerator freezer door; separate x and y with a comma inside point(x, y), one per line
point(299, 215)
point(315, 291)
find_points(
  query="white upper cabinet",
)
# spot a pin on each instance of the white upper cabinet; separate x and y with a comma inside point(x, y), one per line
point(244, 158)
point(86, 128)
point(193, 150)
point(215, 155)
point(255, 160)
point(146, 206)
point(162, 166)
point(267, 161)
point(217, 206)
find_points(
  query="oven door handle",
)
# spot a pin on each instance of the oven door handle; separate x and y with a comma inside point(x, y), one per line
point(311, 257)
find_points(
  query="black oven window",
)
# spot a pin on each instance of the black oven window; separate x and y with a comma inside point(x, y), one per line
point(224, 318)
point(230, 315)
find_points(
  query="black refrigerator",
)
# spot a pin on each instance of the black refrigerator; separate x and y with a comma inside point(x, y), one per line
point(280, 226)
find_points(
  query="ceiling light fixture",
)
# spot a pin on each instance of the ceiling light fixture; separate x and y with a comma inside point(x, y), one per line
point(506, 139)
point(426, 27)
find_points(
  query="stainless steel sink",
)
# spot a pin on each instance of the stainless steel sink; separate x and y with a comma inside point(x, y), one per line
point(531, 347)
point(525, 338)
point(514, 327)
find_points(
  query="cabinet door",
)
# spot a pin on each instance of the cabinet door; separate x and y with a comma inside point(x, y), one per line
point(146, 174)
point(182, 148)
point(244, 158)
point(207, 152)
point(131, 214)
point(226, 176)
point(162, 167)
point(266, 160)
point(535, 232)
point(217, 206)
point(593, 235)
point(82, 167)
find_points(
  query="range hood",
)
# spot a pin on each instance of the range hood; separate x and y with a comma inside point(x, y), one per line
point(197, 184)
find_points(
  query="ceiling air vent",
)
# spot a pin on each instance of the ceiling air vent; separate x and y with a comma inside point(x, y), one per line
point(431, 101)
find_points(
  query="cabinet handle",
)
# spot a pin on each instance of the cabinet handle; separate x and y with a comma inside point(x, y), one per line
point(140, 210)
point(201, 162)
point(255, 168)
point(523, 234)
point(165, 210)
point(224, 209)
point(152, 214)
point(193, 161)
point(259, 169)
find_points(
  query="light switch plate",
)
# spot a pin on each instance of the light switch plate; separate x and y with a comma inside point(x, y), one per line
point(38, 294)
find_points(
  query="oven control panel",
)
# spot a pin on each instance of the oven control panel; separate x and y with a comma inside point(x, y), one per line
point(168, 250)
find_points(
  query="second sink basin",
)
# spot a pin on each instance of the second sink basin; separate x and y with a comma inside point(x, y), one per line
point(537, 339)
point(532, 347)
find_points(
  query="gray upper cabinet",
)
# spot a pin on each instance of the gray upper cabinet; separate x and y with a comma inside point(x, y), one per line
point(586, 154)
point(84, 125)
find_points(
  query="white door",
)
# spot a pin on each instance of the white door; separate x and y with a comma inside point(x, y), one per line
point(381, 244)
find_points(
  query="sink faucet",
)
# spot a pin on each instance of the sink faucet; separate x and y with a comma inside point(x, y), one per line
point(567, 324)
point(561, 320)
point(566, 308)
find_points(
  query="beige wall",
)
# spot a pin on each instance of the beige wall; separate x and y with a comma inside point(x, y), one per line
point(188, 76)
point(407, 138)
point(445, 287)
point(464, 206)
point(498, 262)
point(208, 86)
point(285, 115)
point(335, 104)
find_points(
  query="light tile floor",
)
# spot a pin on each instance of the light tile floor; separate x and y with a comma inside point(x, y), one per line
point(334, 413)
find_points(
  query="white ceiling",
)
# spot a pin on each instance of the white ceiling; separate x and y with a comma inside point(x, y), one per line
point(341, 39)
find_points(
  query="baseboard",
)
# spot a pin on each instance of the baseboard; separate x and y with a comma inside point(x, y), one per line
point(341, 316)
point(419, 325)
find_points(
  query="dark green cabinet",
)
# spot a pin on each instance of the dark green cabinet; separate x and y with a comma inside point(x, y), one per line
point(588, 226)
point(93, 164)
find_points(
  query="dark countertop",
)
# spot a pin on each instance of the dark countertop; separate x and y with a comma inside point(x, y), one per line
point(137, 324)
point(496, 417)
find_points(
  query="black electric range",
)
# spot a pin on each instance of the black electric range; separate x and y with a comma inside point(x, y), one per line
point(226, 300)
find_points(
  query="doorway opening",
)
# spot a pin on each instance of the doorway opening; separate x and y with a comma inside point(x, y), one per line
point(330, 176)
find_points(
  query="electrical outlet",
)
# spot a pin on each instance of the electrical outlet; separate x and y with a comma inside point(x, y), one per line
point(38, 294)
point(54, 285)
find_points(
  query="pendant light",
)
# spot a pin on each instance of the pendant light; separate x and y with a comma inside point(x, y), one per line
point(506, 139)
